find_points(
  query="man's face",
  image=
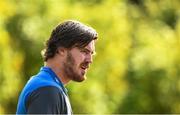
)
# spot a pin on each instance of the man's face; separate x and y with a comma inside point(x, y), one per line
point(77, 62)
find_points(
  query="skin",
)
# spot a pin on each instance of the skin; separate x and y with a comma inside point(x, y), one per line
point(72, 64)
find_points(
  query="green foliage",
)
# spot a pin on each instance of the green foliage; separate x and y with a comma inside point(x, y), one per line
point(137, 66)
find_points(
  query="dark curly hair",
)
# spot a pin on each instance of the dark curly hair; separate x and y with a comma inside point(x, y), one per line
point(68, 34)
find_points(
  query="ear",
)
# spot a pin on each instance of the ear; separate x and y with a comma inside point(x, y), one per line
point(62, 51)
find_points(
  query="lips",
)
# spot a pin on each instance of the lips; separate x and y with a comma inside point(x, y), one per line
point(85, 66)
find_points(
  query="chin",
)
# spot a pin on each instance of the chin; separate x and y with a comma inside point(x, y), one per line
point(80, 78)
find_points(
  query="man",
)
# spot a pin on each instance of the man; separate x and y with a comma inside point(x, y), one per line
point(67, 57)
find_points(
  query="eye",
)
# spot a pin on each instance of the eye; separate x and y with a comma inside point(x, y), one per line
point(84, 51)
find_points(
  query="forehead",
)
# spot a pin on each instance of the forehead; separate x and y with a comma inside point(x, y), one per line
point(91, 46)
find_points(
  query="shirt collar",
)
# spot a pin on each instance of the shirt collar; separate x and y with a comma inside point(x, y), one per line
point(55, 77)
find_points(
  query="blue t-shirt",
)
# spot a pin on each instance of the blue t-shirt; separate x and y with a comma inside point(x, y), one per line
point(44, 93)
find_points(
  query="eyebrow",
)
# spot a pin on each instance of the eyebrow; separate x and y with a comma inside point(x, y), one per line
point(92, 52)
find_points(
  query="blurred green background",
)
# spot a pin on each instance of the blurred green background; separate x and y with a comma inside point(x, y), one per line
point(137, 66)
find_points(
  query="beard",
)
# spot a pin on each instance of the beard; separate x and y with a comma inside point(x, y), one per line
point(69, 69)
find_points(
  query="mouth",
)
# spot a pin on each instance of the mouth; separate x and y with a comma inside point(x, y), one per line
point(85, 67)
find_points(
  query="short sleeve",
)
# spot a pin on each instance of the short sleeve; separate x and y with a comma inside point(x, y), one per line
point(46, 100)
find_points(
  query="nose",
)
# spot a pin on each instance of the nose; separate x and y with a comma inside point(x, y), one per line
point(89, 58)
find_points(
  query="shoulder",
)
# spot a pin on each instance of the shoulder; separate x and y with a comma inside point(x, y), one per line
point(40, 82)
point(47, 99)
point(46, 93)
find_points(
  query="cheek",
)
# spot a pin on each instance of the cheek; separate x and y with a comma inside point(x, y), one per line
point(79, 59)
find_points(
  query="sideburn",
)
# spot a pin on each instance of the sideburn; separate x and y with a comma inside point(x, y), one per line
point(68, 66)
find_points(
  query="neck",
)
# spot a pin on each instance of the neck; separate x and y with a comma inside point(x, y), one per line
point(58, 70)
